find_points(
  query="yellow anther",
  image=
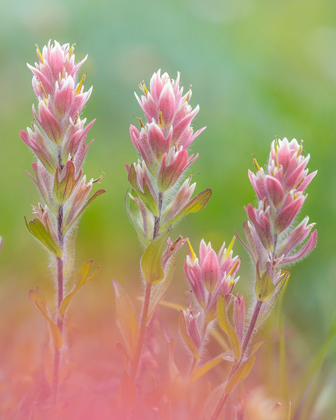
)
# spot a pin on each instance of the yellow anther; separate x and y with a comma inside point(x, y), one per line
point(229, 248)
point(39, 54)
point(276, 149)
point(71, 50)
point(256, 164)
point(300, 149)
point(42, 88)
point(298, 184)
point(140, 122)
point(193, 255)
point(143, 87)
point(160, 118)
point(233, 267)
point(231, 283)
point(80, 84)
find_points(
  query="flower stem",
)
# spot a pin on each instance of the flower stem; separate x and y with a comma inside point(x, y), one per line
point(60, 292)
point(144, 316)
point(236, 365)
point(138, 350)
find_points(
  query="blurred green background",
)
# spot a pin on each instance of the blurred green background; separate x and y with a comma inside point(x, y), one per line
point(258, 68)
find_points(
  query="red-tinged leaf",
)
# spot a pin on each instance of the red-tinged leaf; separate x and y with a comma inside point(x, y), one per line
point(127, 392)
point(125, 357)
point(151, 261)
point(126, 318)
point(40, 304)
point(194, 205)
point(225, 325)
point(188, 341)
point(206, 367)
point(83, 276)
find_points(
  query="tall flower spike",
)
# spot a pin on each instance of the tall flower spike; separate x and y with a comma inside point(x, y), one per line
point(272, 239)
point(157, 200)
point(58, 139)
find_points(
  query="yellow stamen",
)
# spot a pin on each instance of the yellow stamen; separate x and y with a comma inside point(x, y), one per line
point(300, 149)
point(42, 88)
point(71, 49)
point(80, 84)
point(39, 54)
point(140, 122)
point(256, 164)
point(193, 255)
point(276, 148)
point(160, 118)
point(143, 87)
point(233, 267)
point(229, 248)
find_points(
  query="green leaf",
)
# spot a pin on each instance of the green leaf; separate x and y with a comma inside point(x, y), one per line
point(126, 317)
point(225, 325)
point(158, 291)
point(133, 206)
point(151, 261)
point(242, 373)
point(40, 303)
point(202, 370)
point(194, 205)
point(244, 369)
point(264, 287)
point(82, 277)
point(37, 229)
point(188, 341)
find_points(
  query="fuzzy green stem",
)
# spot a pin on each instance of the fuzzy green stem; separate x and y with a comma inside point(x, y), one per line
point(145, 309)
point(60, 293)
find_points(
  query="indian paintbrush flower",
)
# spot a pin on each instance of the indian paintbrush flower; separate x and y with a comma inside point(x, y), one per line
point(157, 200)
point(58, 139)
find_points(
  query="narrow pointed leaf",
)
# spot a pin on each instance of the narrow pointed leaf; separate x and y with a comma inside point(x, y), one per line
point(241, 374)
point(82, 277)
point(151, 261)
point(126, 317)
point(40, 303)
point(158, 291)
point(225, 325)
point(194, 205)
point(186, 337)
point(202, 370)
